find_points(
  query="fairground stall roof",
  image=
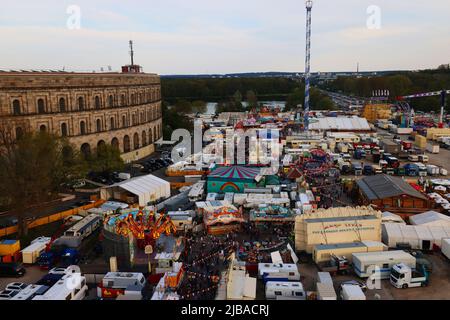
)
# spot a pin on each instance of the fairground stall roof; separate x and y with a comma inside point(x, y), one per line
point(235, 172)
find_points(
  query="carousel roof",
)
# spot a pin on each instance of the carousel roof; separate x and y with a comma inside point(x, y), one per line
point(235, 172)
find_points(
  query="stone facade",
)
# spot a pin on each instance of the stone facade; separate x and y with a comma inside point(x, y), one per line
point(122, 109)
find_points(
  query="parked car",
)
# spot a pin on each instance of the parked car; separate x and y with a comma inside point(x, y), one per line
point(11, 270)
point(17, 286)
point(7, 294)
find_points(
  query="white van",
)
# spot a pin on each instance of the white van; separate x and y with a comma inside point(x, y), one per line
point(352, 292)
point(285, 290)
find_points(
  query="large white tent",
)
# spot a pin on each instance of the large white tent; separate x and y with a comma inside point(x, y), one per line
point(418, 237)
point(340, 124)
point(148, 188)
point(430, 218)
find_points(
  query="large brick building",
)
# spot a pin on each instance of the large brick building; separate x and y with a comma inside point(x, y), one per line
point(122, 109)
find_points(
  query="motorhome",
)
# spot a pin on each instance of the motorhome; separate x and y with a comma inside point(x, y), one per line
point(278, 272)
point(197, 191)
point(285, 290)
point(367, 263)
point(30, 292)
point(69, 287)
point(116, 283)
point(84, 227)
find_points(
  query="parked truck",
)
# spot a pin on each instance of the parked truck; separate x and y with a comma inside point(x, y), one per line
point(336, 264)
point(403, 276)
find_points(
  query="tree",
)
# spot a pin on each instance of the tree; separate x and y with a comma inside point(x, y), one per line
point(32, 170)
point(252, 99)
point(294, 99)
point(106, 159)
point(199, 106)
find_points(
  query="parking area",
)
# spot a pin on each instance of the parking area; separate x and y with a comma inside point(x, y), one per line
point(33, 274)
point(438, 288)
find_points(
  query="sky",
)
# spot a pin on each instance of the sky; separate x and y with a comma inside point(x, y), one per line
point(224, 36)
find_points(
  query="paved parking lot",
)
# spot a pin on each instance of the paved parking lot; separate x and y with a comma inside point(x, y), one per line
point(33, 275)
point(438, 289)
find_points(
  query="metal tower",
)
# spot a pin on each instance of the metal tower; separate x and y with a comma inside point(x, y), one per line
point(131, 53)
point(309, 5)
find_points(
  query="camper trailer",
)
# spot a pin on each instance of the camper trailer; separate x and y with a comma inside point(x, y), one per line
point(285, 290)
point(85, 227)
point(366, 263)
point(278, 272)
point(69, 287)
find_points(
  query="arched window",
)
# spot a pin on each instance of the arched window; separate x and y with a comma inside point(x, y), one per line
point(19, 133)
point(124, 121)
point(144, 139)
point(82, 127)
point(136, 141)
point(150, 136)
point(133, 119)
point(62, 105)
point(133, 99)
point(126, 144)
point(99, 125)
point(64, 129)
point(80, 103)
point(97, 102)
point(16, 107)
point(43, 128)
point(122, 100)
point(41, 106)
point(154, 134)
point(115, 143)
point(85, 150)
point(112, 125)
point(111, 101)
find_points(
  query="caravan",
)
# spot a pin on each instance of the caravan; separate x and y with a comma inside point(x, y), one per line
point(278, 272)
point(366, 263)
point(285, 291)
point(69, 287)
point(85, 227)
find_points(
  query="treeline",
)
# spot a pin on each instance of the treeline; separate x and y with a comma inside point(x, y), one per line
point(223, 89)
point(400, 84)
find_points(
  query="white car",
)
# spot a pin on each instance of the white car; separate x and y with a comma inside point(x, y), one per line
point(7, 294)
point(16, 286)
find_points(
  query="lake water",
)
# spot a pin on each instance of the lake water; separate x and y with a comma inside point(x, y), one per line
point(212, 106)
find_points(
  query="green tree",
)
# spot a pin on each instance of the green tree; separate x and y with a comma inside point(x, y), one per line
point(106, 159)
point(32, 171)
point(252, 99)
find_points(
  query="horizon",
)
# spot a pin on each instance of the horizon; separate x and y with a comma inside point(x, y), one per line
point(175, 38)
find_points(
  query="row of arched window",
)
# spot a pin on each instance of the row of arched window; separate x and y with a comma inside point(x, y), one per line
point(139, 141)
point(136, 99)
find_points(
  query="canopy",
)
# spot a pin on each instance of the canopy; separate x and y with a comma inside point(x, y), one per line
point(235, 172)
point(147, 188)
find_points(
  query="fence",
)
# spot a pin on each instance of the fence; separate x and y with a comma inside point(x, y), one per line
point(51, 218)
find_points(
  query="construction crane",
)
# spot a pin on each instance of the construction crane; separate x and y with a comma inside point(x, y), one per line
point(405, 105)
point(309, 5)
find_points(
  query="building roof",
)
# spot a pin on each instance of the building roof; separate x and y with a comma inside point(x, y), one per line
point(431, 218)
point(235, 172)
point(385, 186)
point(340, 123)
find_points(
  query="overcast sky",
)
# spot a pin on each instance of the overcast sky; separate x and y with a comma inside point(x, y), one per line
point(224, 36)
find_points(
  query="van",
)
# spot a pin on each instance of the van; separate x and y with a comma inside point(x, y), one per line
point(285, 290)
point(413, 158)
point(352, 292)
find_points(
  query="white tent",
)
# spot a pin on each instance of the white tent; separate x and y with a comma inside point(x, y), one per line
point(430, 218)
point(418, 237)
point(389, 217)
point(147, 188)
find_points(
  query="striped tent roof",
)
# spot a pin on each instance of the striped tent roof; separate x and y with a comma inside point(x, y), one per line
point(235, 172)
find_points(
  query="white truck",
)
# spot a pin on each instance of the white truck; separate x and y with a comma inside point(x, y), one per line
point(352, 292)
point(403, 276)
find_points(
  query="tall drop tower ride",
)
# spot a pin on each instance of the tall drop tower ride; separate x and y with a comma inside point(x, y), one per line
point(309, 5)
